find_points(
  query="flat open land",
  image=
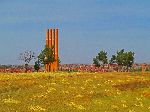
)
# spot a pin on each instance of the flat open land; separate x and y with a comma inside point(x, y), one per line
point(74, 92)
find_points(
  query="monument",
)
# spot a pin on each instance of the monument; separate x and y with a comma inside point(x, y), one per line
point(52, 41)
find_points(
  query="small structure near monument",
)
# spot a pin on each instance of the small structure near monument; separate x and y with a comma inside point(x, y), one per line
point(52, 42)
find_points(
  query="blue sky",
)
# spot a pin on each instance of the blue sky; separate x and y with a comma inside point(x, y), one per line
point(85, 28)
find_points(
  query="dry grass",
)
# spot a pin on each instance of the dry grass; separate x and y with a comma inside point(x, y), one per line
point(75, 92)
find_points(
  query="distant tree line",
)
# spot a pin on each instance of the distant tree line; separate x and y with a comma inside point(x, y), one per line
point(45, 56)
point(121, 58)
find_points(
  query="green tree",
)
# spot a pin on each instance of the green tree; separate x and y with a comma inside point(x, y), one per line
point(101, 59)
point(125, 59)
point(112, 60)
point(96, 62)
point(46, 56)
point(27, 56)
point(128, 59)
point(37, 65)
point(120, 57)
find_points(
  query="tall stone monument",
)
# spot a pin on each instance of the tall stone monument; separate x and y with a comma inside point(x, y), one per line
point(52, 41)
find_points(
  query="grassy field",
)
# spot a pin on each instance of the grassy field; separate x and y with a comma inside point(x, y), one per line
point(75, 92)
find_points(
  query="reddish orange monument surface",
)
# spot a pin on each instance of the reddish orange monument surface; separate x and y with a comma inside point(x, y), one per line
point(52, 41)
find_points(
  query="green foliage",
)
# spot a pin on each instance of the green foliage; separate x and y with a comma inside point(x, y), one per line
point(112, 60)
point(123, 58)
point(46, 56)
point(37, 66)
point(120, 57)
point(101, 59)
point(129, 59)
point(96, 62)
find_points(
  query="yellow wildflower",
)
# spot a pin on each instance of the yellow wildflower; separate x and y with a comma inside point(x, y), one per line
point(132, 110)
point(79, 96)
point(124, 105)
point(9, 100)
point(49, 90)
point(36, 108)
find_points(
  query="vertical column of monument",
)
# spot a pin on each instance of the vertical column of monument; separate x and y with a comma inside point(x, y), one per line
point(50, 45)
point(52, 42)
point(47, 45)
point(56, 49)
point(54, 64)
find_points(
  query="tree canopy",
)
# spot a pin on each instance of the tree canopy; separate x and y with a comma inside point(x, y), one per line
point(46, 56)
point(100, 59)
point(123, 58)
